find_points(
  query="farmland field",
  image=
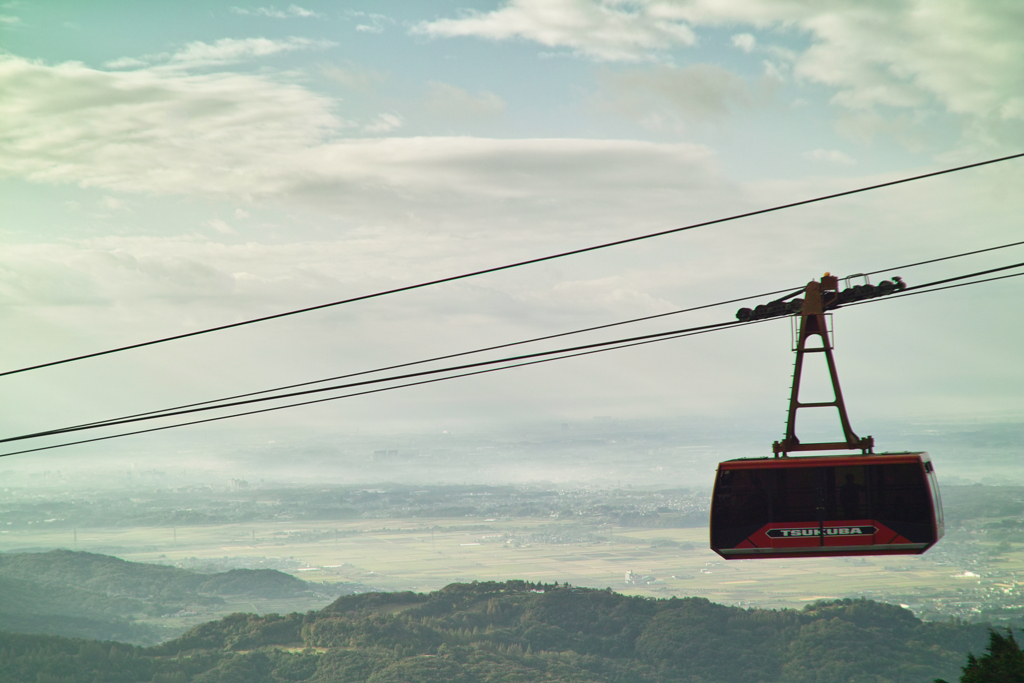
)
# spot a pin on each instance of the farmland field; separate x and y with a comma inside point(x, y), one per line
point(395, 537)
point(425, 554)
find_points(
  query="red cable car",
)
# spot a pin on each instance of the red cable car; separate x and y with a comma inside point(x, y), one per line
point(860, 504)
point(879, 504)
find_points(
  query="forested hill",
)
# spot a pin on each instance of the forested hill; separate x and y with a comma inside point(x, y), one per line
point(515, 631)
point(96, 596)
point(106, 574)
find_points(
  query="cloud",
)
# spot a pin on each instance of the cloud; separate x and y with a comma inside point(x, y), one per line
point(126, 63)
point(616, 293)
point(89, 274)
point(96, 293)
point(605, 30)
point(444, 99)
point(873, 55)
point(669, 97)
point(9, 20)
point(152, 130)
point(221, 226)
point(229, 50)
point(906, 55)
point(112, 203)
point(744, 41)
point(225, 51)
point(292, 12)
point(384, 123)
point(369, 22)
point(833, 156)
point(354, 76)
point(243, 136)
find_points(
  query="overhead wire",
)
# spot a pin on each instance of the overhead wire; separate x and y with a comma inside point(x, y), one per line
point(164, 411)
point(447, 356)
point(907, 291)
point(517, 264)
point(920, 289)
point(232, 402)
point(382, 389)
point(174, 412)
point(965, 277)
point(944, 258)
point(931, 286)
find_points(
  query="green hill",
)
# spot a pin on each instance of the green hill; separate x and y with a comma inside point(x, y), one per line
point(114, 576)
point(522, 633)
point(94, 596)
point(509, 632)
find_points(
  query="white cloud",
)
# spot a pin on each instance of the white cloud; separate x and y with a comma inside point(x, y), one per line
point(292, 12)
point(772, 71)
point(451, 101)
point(166, 132)
point(895, 54)
point(295, 10)
point(90, 274)
point(744, 41)
point(126, 63)
point(907, 56)
point(152, 130)
point(354, 76)
point(112, 203)
point(614, 293)
point(368, 21)
point(830, 155)
point(241, 213)
point(225, 51)
point(229, 50)
point(221, 226)
point(606, 30)
point(667, 97)
point(384, 123)
point(9, 20)
point(97, 292)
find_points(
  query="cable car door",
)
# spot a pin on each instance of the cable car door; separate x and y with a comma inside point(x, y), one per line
point(821, 507)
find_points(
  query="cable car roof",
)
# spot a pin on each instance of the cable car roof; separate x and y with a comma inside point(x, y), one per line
point(844, 460)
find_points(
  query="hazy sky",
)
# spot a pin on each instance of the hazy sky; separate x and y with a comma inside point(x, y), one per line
point(171, 166)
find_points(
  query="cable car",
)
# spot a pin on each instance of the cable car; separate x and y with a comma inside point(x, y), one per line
point(877, 504)
point(813, 506)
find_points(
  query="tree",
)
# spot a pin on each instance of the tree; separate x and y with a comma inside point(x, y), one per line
point(1003, 663)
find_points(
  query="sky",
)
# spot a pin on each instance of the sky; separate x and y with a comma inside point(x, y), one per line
point(166, 167)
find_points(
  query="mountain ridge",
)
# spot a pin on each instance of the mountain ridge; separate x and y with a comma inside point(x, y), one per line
point(88, 595)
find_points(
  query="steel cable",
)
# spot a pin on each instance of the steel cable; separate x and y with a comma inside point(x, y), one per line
point(541, 259)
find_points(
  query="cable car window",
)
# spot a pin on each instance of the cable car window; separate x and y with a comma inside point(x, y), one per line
point(848, 498)
point(742, 497)
point(796, 494)
point(936, 496)
point(740, 506)
point(899, 498)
